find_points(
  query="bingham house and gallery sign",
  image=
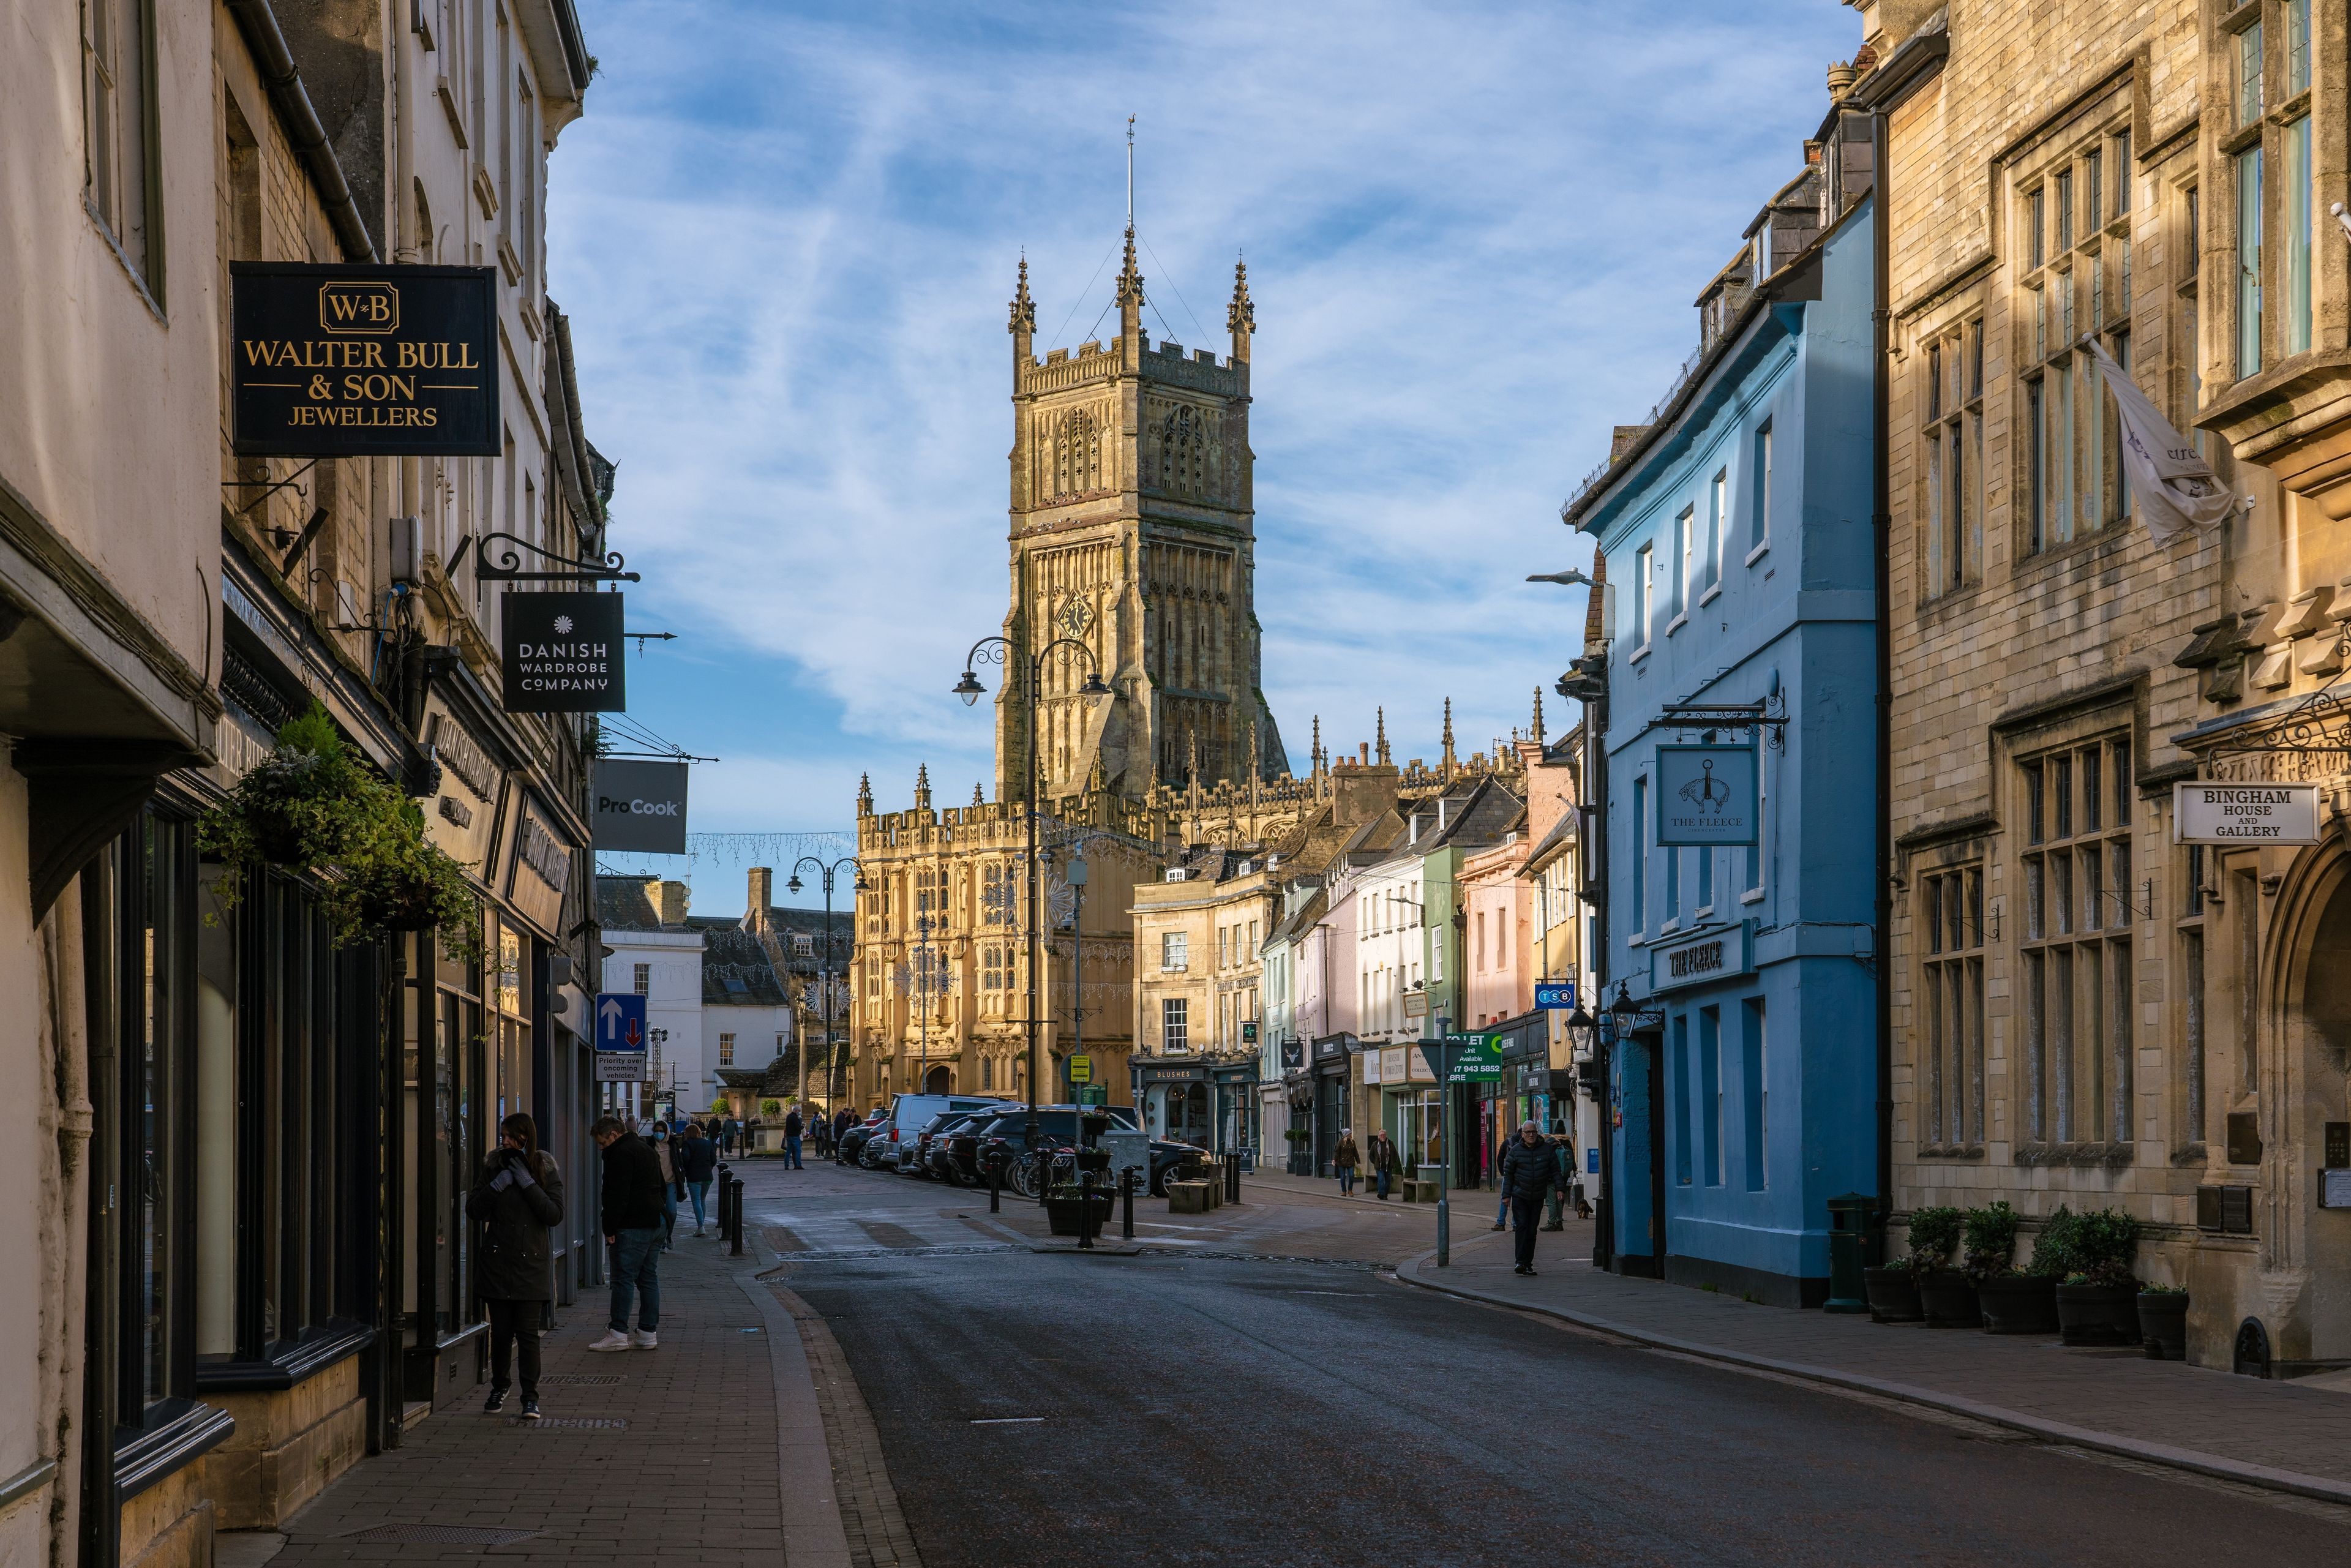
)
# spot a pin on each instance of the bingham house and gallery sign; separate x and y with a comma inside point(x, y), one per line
point(364, 360)
point(2244, 813)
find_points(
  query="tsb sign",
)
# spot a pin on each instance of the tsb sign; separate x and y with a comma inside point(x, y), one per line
point(641, 807)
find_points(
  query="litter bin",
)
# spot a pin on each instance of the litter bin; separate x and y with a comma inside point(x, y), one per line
point(1852, 1247)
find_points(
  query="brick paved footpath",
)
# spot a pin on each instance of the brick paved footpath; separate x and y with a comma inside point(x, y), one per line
point(703, 1473)
point(2283, 1436)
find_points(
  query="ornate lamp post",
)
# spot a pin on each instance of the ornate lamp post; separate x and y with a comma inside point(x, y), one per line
point(1030, 670)
point(824, 971)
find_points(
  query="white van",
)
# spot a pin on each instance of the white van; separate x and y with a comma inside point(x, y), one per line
point(909, 1115)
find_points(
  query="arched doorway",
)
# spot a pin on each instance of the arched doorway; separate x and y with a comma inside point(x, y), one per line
point(941, 1081)
point(2304, 1093)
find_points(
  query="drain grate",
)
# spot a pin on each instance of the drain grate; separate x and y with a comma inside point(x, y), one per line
point(578, 1377)
point(580, 1422)
point(442, 1534)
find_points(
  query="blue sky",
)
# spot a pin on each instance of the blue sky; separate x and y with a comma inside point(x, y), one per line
point(786, 234)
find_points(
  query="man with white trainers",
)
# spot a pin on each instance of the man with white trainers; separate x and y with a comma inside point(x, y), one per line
point(632, 1230)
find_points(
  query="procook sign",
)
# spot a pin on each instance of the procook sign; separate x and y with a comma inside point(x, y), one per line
point(2244, 813)
point(641, 807)
point(358, 362)
point(562, 652)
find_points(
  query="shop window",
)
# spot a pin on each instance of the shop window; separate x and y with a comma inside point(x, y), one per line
point(2077, 942)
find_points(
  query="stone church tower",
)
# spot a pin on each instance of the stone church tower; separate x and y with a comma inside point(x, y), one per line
point(1133, 530)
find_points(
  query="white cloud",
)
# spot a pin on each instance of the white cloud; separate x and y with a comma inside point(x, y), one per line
point(786, 237)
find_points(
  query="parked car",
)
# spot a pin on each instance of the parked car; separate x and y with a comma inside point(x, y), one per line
point(853, 1140)
point(907, 1116)
point(969, 1145)
point(918, 1156)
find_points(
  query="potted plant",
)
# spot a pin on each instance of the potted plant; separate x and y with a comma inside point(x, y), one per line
point(1093, 1124)
point(1946, 1295)
point(1893, 1291)
point(1301, 1157)
point(1065, 1200)
point(1093, 1159)
point(2163, 1322)
point(2097, 1298)
point(2011, 1302)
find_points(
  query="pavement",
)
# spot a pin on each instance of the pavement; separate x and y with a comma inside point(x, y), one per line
point(2289, 1437)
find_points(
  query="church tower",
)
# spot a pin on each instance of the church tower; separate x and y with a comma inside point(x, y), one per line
point(1133, 529)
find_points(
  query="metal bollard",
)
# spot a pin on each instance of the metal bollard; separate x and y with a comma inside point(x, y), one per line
point(1232, 1178)
point(1085, 1211)
point(1127, 1193)
point(736, 1248)
point(995, 1183)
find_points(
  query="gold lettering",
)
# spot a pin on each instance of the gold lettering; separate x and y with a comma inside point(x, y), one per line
point(407, 356)
point(465, 357)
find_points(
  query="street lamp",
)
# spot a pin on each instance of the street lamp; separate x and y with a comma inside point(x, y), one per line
point(1570, 579)
point(824, 968)
point(1003, 651)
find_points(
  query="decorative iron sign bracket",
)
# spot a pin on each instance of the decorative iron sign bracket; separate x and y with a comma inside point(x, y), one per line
point(504, 564)
point(1768, 719)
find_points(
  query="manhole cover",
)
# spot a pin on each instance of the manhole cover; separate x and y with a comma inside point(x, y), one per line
point(443, 1534)
point(581, 1377)
point(578, 1421)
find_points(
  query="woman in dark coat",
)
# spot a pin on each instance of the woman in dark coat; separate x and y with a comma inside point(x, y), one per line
point(519, 1197)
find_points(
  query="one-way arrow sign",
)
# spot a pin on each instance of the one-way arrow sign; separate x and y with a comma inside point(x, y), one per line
point(619, 1021)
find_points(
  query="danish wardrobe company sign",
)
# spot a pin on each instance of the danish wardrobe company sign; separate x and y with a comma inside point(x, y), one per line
point(641, 807)
point(363, 361)
point(1706, 795)
point(562, 652)
point(2244, 813)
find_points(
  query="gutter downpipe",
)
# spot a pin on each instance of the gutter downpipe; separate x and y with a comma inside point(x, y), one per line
point(1881, 528)
point(275, 64)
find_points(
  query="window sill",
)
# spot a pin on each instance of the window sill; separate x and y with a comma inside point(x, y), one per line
point(1758, 552)
point(1710, 596)
point(1667, 927)
point(1640, 653)
point(287, 1365)
point(1698, 917)
point(1752, 895)
point(1638, 939)
point(143, 1457)
point(1677, 623)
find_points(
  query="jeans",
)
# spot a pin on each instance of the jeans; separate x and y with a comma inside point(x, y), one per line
point(514, 1327)
point(1346, 1180)
point(1502, 1214)
point(1380, 1180)
point(669, 1211)
point(699, 1191)
point(792, 1153)
point(1526, 1213)
point(636, 1263)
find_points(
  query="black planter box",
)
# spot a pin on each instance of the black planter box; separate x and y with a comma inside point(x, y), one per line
point(2018, 1303)
point(1948, 1298)
point(2098, 1314)
point(2163, 1325)
point(1893, 1295)
point(1062, 1212)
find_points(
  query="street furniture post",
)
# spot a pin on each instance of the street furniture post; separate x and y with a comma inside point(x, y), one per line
point(1085, 1211)
point(995, 1181)
point(1127, 1194)
point(736, 1248)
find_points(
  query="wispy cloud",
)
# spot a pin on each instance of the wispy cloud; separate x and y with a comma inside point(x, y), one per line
point(786, 237)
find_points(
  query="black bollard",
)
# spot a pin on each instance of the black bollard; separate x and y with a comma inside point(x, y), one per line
point(995, 1183)
point(1126, 1192)
point(1085, 1211)
point(736, 1249)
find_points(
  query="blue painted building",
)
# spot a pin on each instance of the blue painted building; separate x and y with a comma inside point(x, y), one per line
point(1736, 530)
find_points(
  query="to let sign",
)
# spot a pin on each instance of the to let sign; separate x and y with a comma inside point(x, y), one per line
point(2244, 813)
point(562, 652)
point(363, 360)
point(1706, 795)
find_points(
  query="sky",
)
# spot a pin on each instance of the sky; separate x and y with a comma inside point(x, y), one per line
point(786, 234)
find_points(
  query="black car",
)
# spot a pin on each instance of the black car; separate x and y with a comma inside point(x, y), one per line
point(969, 1145)
point(915, 1157)
point(854, 1139)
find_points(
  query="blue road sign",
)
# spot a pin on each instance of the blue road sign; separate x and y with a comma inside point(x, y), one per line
point(1554, 993)
point(619, 1021)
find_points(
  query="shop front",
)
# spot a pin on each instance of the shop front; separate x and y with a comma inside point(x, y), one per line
point(1235, 1084)
point(1178, 1103)
point(1327, 1098)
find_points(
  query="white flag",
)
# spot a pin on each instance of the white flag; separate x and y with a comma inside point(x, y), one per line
point(2175, 488)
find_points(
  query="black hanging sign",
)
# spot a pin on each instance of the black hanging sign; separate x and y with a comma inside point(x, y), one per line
point(562, 652)
point(363, 360)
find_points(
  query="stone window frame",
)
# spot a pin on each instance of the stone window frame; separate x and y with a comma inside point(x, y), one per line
point(1952, 1072)
point(1952, 481)
point(2288, 84)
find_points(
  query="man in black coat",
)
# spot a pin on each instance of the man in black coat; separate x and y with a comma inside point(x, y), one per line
point(634, 1224)
point(792, 1125)
point(1529, 1174)
point(698, 1163)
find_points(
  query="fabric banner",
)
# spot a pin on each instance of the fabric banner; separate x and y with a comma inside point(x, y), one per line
point(2175, 488)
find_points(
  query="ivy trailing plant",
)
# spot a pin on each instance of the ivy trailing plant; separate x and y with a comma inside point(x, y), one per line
point(311, 806)
point(1933, 1233)
point(1988, 1242)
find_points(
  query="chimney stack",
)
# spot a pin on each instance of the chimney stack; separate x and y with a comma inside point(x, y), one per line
point(669, 900)
point(763, 894)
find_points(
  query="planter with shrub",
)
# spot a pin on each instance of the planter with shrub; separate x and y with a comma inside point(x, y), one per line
point(1064, 1201)
point(2163, 1322)
point(2097, 1298)
point(1946, 1295)
point(2009, 1302)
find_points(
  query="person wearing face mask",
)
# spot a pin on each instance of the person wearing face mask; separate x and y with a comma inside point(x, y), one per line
point(670, 1180)
point(517, 1197)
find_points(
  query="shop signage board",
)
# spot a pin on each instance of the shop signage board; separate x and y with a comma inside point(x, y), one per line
point(1707, 795)
point(1416, 1004)
point(363, 360)
point(1394, 1063)
point(2244, 813)
point(562, 652)
point(1554, 993)
point(1708, 955)
point(1464, 1058)
point(641, 807)
point(1248, 1032)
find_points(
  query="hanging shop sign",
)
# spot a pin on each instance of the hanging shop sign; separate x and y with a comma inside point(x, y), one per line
point(641, 807)
point(363, 360)
point(1464, 1058)
point(1707, 795)
point(1708, 956)
point(562, 652)
point(1554, 993)
point(2244, 813)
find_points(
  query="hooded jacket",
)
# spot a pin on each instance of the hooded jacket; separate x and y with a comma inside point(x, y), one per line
point(516, 1216)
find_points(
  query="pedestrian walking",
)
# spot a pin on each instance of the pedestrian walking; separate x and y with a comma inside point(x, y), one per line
point(698, 1163)
point(1494, 1169)
point(1384, 1163)
point(842, 1120)
point(632, 1230)
point(1554, 1208)
point(1345, 1161)
point(1529, 1171)
point(517, 1199)
point(792, 1125)
point(673, 1186)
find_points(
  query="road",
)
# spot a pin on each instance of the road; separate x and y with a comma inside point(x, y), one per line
point(1167, 1410)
